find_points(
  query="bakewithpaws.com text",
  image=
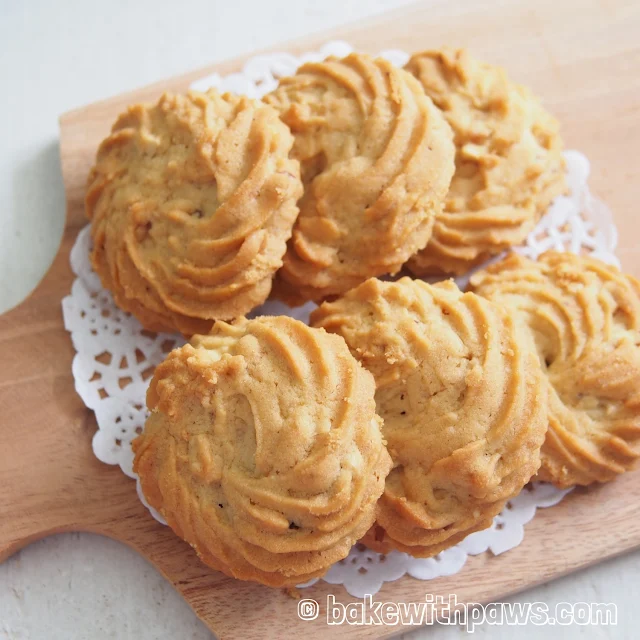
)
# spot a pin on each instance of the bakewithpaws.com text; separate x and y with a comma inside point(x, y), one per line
point(447, 610)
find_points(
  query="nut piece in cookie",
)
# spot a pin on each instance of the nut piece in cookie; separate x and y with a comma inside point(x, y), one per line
point(509, 165)
point(584, 316)
point(376, 158)
point(463, 402)
point(263, 449)
point(192, 201)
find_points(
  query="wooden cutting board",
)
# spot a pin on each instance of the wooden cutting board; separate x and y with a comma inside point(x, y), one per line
point(584, 59)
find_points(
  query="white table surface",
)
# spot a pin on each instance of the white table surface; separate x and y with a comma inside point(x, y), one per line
point(58, 55)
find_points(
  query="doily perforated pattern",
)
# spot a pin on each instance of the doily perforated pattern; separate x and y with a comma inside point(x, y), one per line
point(115, 357)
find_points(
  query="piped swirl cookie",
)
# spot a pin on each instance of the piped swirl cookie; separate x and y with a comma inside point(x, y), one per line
point(376, 158)
point(192, 201)
point(462, 400)
point(585, 318)
point(509, 165)
point(263, 449)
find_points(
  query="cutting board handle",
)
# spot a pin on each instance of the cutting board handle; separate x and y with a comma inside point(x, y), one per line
point(50, 481)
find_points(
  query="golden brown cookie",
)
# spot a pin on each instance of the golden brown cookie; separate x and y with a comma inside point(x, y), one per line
point(585, 318)
point(509, 165)
point(376, 159)
point(192, 201)
point(463, 403)
point(263, 449)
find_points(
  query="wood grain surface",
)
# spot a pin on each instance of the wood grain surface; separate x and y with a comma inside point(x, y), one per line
point(584, 60)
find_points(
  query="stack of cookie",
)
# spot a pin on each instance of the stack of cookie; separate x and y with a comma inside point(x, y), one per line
point(408, 413)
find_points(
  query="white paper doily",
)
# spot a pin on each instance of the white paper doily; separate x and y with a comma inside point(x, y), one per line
point(115, 357)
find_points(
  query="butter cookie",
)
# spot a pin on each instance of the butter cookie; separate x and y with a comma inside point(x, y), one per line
point(192, 201)
point(263, 449)
point(376, 158)
point(509, 164)
point(584, 316)
point(463, 403)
